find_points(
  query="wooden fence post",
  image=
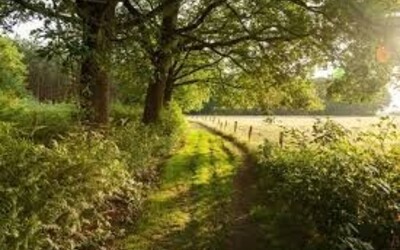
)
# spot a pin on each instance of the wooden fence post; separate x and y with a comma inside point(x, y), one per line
point(250, 132)
point(226, 124)
point(281, 139)
point(235, 127)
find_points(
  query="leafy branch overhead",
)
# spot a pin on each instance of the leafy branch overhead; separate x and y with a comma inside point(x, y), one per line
point(216, 43)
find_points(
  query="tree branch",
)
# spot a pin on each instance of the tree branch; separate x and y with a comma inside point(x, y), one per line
point(200, 20)
point(143, 17)
point(201, 67)
point(43, 10)
point(214, 81)
point(180, 67)
point(227, 43)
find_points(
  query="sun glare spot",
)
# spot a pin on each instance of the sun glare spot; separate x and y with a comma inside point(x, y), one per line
point(394, 106)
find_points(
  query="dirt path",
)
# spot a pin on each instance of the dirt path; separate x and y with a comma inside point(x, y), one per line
point(244, 231)
point(203, 202)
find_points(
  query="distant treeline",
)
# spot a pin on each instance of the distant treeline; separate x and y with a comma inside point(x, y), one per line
point(331, 108)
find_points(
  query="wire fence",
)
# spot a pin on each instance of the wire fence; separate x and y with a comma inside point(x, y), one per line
point(253, 134)
point(254, 130)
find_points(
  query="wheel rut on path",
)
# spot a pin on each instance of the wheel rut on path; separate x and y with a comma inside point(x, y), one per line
point(245, 232)
point(204, 200)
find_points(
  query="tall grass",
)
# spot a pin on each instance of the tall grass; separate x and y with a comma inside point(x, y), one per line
point(38, 120)
point(62, 187)
point(331, 189)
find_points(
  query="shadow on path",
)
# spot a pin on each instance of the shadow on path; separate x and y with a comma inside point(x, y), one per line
point(192, 208)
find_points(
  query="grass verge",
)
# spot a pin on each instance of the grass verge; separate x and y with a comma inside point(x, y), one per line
point(191, 209)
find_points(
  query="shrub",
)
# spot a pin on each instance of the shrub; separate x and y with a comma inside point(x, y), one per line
point(71, 193)
point(122, 114)
point(40, 121)
point(331, 189)
point(143, 146)
point(52, 198)
point(12, 68)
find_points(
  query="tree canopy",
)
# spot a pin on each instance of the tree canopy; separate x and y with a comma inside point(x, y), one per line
point(241, 52)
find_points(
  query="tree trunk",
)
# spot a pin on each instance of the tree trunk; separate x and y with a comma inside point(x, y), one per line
point(162, 61)
point(169, 88)
point(94, 93)
point(97, 18)
point(154, 102)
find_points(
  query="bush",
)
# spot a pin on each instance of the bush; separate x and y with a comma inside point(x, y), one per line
point(71, 193)
point(122, 114)
point(40, 121)
point(143, 146)
point(59, 197)
point(12, 68)
point(331, 189)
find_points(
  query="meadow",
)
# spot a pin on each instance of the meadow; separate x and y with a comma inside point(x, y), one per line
point(322, 183)
point(270, 127)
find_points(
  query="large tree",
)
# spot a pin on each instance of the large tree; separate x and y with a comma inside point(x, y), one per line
point(94, 21)
point(272, 42)
point(86, 29)
point(246, 45)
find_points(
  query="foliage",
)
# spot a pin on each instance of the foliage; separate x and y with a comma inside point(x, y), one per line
point(51, 198)
point(155, 141)
point(358, 76)
point(130, 70)
point(12, 68)
point(198, 175)
point(40, 121)
point(353, 100)
point(72, 193)
point(122, 114)
point(296, 94)
point(48, 78)
point(191, 98)
point(45, 121)
point(218, 43)
point(331, 189)
point(297, 98)
point(314, 32)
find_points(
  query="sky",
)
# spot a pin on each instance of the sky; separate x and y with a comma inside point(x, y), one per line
point(23, 30)
point(323, 73)
point(394, 106)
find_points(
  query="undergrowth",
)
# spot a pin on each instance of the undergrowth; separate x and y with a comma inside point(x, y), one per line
point(35, 120)
point(331, 189)
point(191, 209)
point(62, 187)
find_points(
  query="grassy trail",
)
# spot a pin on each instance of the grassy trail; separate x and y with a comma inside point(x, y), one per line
point(193, 207)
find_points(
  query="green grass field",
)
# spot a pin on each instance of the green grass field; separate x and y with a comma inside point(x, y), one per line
point(264, 127)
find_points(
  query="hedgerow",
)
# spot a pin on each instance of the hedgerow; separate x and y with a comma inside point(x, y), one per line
point(39, 121)
point(76, 190)
point(331, 189)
